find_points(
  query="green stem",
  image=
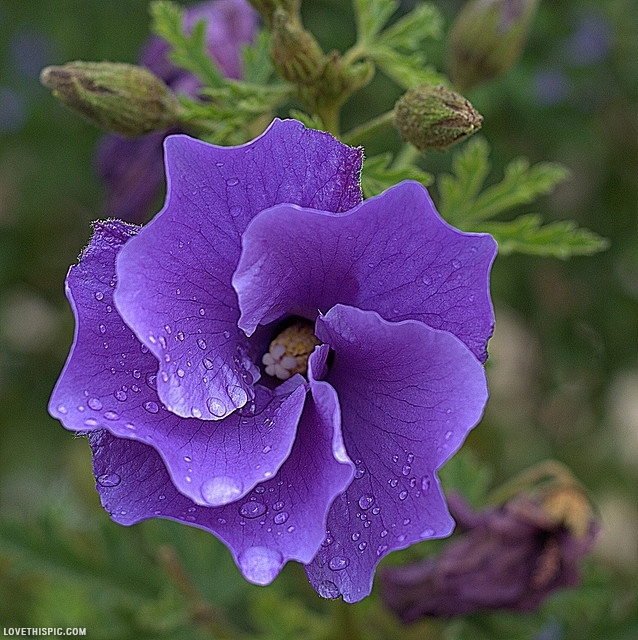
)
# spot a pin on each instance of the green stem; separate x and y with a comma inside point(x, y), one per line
point(368, 129)
point(330, 118)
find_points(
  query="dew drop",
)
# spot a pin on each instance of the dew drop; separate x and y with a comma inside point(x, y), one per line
point(381, 549)
point(208, 363)
point(151, 381)
point(456, 264)
point(426, 280)
point(99, 295)
point(201, 343)
point(252, 509)
point(61, 409)
point(90, 422)
point(94, 403)
point(237, 395)
point(338, 563)
point(187, 459)
point(384, 533)
point(221, 490)
point(102, 329)
point(216, 407)
point(362, 546)
point(260, 565)
point(137, 374)
point(428, 532)
point(366, 501)
point(448, 435)
point(410, 458)
point(359, 472)
point(120, 395)
point(281, 517)
point(406, 469)
point(425, 483)
point(151, 406)
point(196, 413)
point(403, 495)
point(235, 211)
point(328, 589)
point(232, 182)
point(202, 311)
point(109, 480)
point(355, 536)
point(111, 415)
point(267, 449)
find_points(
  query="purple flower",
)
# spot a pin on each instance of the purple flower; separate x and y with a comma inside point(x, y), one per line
point(193, 333)
point(132, 169)
point(510, 557)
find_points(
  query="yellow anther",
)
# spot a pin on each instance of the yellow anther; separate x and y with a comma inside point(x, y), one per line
point(289, 351)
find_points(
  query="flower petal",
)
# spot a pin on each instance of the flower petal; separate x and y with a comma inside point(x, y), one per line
point(174, 278)
point(109, 382)
point(281, 519)
point(392, 254)
point(409, 395)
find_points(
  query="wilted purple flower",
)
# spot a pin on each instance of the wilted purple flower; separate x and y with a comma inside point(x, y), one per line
point(132, 168)
point(181, 323)
point(510, 557)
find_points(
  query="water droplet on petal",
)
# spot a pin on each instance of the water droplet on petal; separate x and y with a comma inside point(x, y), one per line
point(111, 415)
point(456, 264)
point(362, 546)
point(232, 182)
point(99, 295)
point(425, 483)
point(120, 395)
point(216, 407)
point(94, 403)
point(151, 406)
point(208, 363)
point(406, 469)
point(237, 395)
point(260, 565)
point(366, 501)
point(102, 329)
point(221, 490)
point(201, 343)
point(281, 517)
point(252, 509)
point(381, 549)
point(403, 495)
point(328, 589)
point(235, 211)
point(151, 381)
point(109, 480)
point(338, 563)
point(428, 532)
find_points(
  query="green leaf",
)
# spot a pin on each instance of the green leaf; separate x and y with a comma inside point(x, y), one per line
point(371, 16)
point(312, 122)
point(471, 166)
point(467, 475)
point(378, 175)
point(463, 204)
point(407, 70)
point(257, 65)
point(522, 184)
point(188, 52)
point(527, 234)
point(410, 32)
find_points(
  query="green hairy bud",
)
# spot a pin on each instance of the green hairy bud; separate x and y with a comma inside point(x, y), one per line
point(122, 98)
point(487, 39)
point(433, 117)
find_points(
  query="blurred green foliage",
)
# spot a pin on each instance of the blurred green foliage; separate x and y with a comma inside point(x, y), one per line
point(564, 366)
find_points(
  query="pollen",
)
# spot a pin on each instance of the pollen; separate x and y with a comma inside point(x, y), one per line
point(289, 351)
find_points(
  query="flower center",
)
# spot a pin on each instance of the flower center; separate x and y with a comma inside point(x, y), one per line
point(289, 351)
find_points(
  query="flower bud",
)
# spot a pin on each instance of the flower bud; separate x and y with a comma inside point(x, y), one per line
point(433, 117)
point(267, 8)
point(295, 52)
point(487, 38)
point(122, 98)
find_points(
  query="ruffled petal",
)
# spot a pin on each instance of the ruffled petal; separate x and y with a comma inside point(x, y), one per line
point(109, 382)
point(393, 254)
point(281, 519)
point(409, 395)
point(174, 278)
